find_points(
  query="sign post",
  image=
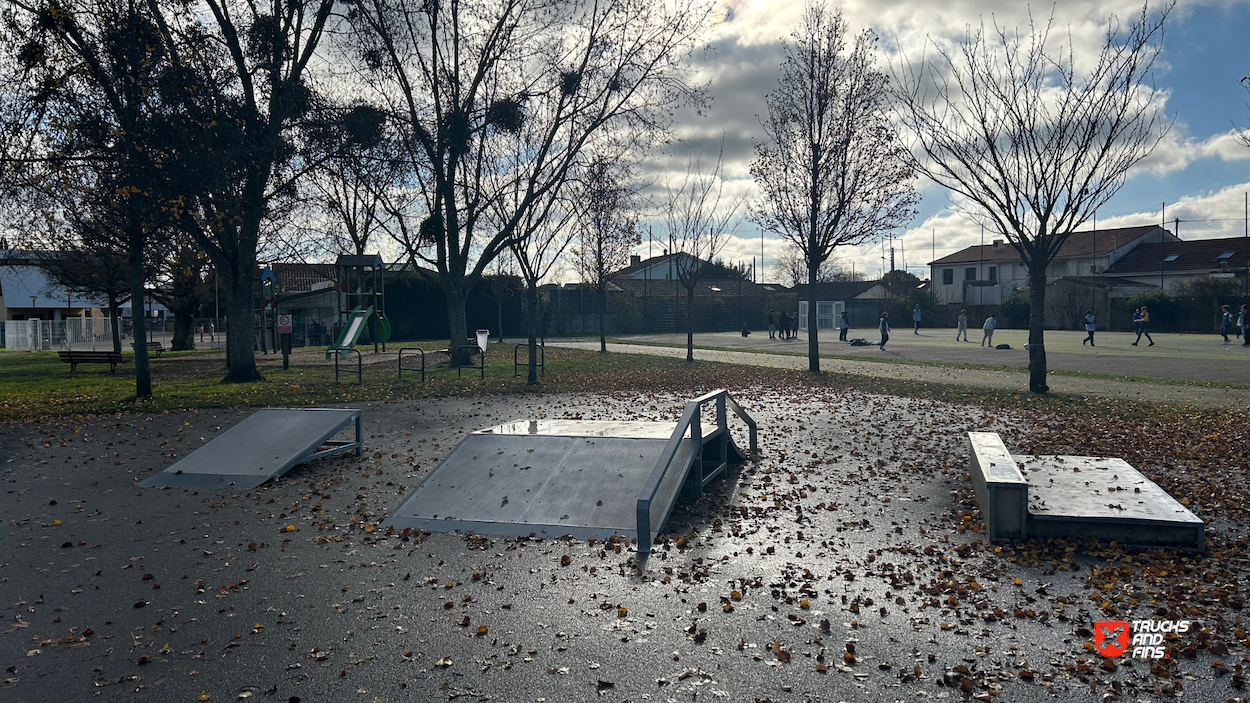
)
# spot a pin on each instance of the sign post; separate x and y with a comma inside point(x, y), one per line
point(284, 332)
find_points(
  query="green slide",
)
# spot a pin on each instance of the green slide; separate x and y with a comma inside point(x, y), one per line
point(351, 332)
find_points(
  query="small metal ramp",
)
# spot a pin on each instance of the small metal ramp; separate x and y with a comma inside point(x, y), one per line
point(264, 445)
point(583, 478)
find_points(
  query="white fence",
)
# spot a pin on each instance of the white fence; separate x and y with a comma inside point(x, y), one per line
point(94, 333)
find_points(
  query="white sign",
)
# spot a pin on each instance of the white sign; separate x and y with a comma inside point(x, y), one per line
point(284, 324)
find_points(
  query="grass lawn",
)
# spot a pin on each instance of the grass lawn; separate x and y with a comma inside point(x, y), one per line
point(39, 385)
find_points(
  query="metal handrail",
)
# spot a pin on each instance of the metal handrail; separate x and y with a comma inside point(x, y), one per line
point(690, 420)
point(542, 358)
point(480, 351)
point(360, 377)
point(401, 361)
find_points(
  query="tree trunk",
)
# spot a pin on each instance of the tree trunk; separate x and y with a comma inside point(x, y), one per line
point(690, 325)
point(1037, 318)
point(459, 326)
point(603, 312)
point(813, 338)
point(115, 313)
point(143, 371)
point(531, 377)
point(184, 331)
point(240, 336)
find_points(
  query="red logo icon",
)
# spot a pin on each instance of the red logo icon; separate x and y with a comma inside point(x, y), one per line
point(1111, 637)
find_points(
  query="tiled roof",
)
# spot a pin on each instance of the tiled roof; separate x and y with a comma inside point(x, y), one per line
point(1199, 255)
point(1077, 245)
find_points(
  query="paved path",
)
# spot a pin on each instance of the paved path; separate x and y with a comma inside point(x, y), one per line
point(1005, 379)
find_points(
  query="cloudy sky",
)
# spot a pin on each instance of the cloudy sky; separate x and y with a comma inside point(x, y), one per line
point(1201, 171)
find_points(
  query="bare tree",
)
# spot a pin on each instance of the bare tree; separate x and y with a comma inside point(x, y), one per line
point(831, 167)
point(540, 241)
point(1032, 144)
point(790, 269)
point(462, 77)
point(609, 229)
point(698, 214)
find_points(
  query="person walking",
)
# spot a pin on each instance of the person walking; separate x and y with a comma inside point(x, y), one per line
point(988, 328)
point(1241, 321)
point(772, 325)
point(843, 325)
point(1137, 322)
point(1143, 326)
point(963, 326)
point(1089, 328)
point(915, 320)
point(885, 328)
point(1226, 322)
point(783, 324)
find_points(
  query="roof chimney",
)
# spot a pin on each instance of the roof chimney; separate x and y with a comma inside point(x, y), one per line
point(998, 244)
point(634, 259)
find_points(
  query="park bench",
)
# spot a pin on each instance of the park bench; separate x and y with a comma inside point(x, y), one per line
point(74, 358)
point(153, 348)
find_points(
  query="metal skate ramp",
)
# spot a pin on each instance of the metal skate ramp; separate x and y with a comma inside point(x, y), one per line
point(584, 478)
point(262, 446)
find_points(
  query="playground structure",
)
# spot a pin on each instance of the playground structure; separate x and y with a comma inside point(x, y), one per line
point(263, 446)
point(585, 478)
point(362, 287)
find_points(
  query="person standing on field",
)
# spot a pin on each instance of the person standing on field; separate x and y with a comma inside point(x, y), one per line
point(1089, 328)
point(1226, 322)
point(843, 326)
point(885, 328)
point(988, 328)
point(915, 320)
point(1245, 326)
point(963, 326)
point(1143, 326)
point(772, 325)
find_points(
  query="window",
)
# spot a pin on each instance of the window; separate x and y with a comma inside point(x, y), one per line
point(970, 274)
point(948, 276)
point(1173, 257)
point(993, 274)
point(1225, 255)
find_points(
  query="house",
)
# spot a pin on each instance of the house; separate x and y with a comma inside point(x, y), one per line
point(656, 268)
point(987, 274)
point(27, 292)
point(1170, 263)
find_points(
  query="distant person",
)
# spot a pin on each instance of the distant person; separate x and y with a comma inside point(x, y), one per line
point(1226, 322)
point(915, 320)
point(1137, 322)
point(1245, 326)
point(746, 331)
point(1241, 321)
point(963, 326)
point(988, 328)
point(843, 325)
point(1143, 326)
point(885, 328)
point(783, 324)
point(772, 325)
point(1089, 328)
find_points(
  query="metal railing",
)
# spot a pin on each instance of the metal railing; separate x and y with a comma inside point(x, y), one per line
point(401, 361)
point(462, 357)
point(360, 376)
point(542, 358)
point(691, 421)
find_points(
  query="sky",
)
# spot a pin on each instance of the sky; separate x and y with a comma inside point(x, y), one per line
point(1199, 173)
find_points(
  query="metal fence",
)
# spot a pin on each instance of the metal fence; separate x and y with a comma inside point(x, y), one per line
point(78, 333)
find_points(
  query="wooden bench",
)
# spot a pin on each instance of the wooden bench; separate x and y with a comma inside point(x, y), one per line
point(74, 358)
point(153, 347)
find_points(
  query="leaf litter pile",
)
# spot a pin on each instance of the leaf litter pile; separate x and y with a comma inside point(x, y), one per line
point(849, 563)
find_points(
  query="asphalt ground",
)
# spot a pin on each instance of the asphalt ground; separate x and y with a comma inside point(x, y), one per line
point(848, 564)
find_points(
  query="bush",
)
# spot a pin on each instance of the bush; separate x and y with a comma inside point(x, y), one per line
point(1014, 311)
point(1162, 308)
